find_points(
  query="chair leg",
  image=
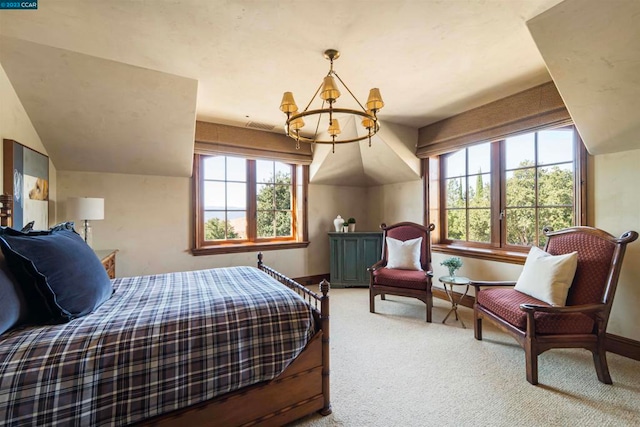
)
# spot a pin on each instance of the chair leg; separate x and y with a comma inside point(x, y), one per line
point(383, 297)
point(477, 325)
point(372, 302)
point(531, 361)
point(429, 306)
point(602, 368)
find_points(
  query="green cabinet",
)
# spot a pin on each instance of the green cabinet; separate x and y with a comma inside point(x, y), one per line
point(351, 255)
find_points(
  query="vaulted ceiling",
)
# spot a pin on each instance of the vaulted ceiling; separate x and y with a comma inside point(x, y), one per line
point(117, 86)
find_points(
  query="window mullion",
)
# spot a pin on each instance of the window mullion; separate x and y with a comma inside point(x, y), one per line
point(252, 216)
point(497, 202)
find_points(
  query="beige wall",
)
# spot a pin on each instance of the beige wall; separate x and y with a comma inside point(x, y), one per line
point(617, 209)
point(393, 203)
point(614, 207)
point(148, 219)
point(15, 124)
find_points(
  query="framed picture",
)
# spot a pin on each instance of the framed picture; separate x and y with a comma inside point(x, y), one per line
point(26, 177)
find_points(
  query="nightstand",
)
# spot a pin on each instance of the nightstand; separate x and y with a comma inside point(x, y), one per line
point(108, 259)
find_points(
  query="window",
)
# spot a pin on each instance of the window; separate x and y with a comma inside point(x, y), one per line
point(499, 196)
point(246, 205)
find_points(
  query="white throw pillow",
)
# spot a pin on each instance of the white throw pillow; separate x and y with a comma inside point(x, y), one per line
point(404, 255)
point(548, 277)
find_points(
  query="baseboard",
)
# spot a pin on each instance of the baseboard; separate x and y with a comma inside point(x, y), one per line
point(623, 346)
point(467, 301)
point(614, 344)
point(312, 280)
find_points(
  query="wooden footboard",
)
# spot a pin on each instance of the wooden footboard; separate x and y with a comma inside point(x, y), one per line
point(299, 390)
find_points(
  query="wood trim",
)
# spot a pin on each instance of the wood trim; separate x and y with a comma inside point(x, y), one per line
point(614, 343)
point(499, 255)
point(440, 293)
point(247, 247)
point(623, 346)
point(312, 280)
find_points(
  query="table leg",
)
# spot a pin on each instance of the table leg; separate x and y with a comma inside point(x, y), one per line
point(454, 303)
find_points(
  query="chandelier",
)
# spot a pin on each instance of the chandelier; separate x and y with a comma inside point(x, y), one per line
point(329, 93)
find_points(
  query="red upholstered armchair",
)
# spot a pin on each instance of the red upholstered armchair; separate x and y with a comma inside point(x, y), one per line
point(403, 282)
point(582, 322)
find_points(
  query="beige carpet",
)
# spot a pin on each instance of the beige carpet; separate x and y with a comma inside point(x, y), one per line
point(394, 369)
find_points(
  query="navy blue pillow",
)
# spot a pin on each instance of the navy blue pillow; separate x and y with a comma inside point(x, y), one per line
point(13, 304)
point(60, 274)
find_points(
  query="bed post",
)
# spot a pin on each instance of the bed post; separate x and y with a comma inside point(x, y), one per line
point(324, 318)
point(259, 259)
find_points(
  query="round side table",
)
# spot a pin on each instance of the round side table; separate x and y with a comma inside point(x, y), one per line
point(455, 281)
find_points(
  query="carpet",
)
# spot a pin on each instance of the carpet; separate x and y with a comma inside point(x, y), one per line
point(392, 368)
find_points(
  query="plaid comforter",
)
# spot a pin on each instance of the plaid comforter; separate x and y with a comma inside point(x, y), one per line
point(160, 343)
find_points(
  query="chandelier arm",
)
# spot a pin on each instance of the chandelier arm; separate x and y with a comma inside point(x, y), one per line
point(349, 90)
point(314, 97)
point(315, 135)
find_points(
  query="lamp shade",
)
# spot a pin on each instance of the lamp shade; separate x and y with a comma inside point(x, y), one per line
point(334, 128)
point(288, 105)
point(375, 100)
point(88, 208)
point(297, 123)
point(330, 91)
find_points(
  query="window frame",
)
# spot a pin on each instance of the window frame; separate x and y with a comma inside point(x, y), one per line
point(497, 249)
point(299, 238)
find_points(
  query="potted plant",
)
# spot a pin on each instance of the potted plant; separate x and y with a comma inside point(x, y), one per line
point(352, 224)
point(453, 264)
point(345, 227)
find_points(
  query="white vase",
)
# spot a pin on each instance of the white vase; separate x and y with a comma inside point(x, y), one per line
point(337, 223)
point(352, 227)
point(345, 228)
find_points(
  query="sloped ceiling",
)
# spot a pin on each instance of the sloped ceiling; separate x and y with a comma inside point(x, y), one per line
point(431, 59)
point(592, 50)
point(100, 115)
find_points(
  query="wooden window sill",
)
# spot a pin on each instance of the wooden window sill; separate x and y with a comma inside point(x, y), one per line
point(512, 257)
point(246, 247)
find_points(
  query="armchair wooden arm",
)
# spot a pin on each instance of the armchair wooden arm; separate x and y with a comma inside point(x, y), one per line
point(377, 265)
point(586, 308)
point(492, 283)
point(582, 323)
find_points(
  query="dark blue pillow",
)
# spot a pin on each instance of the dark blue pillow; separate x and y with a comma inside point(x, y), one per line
point(13, 304)
point(60, 274)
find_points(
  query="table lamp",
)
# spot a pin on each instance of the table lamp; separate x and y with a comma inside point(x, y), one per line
point(85, 209)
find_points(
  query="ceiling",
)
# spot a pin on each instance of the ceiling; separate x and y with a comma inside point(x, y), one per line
point(117, 86)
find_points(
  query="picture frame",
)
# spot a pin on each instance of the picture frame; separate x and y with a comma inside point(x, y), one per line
point(26, 179)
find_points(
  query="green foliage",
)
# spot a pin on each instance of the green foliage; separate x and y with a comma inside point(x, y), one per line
point(351, 220)
point(215, 228)
point(453, 262)
point(472, 221)
point(274, 207)
point(555, 201)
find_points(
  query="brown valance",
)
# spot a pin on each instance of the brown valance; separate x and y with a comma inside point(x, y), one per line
point(213, 138)
point(536, 108)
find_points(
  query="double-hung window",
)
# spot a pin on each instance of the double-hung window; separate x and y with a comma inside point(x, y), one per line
point(243, 204)
point(499, 196)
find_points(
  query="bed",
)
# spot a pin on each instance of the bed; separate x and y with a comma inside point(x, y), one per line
point(227, 346)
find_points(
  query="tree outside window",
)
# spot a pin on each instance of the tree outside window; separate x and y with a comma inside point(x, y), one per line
point(247, 202)
point(535, 178)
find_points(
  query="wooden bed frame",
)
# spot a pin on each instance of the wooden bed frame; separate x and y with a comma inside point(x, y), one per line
point(303, 388)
